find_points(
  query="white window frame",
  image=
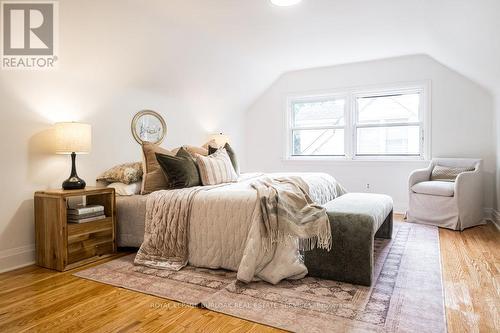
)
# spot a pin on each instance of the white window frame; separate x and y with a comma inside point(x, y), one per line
point(350, 126)
point(315, 98)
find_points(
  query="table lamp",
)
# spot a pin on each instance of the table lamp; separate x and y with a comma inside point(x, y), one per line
point(220, 139)
point(73, 138)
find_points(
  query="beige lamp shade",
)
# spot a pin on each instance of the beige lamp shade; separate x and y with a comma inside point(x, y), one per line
point(220, 139)
point(73, 137)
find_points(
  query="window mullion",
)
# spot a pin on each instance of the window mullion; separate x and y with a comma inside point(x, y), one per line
point(316, 128)
point(349, 127)
point(412, 123)
point(354, 136)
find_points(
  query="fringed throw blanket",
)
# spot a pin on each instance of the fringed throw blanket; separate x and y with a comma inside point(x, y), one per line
point(165, 243)
point(288, 212)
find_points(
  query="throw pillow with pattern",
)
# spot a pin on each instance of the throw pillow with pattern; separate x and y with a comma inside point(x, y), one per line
point(216, 168)
point(230, 152)
point(126, 173)
point(447, 174)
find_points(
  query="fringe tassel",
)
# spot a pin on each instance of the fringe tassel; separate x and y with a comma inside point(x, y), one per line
point(323, 240)
point(325, 236)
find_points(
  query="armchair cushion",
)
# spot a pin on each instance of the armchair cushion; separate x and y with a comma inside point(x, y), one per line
point(439, 188)
point(448, 174)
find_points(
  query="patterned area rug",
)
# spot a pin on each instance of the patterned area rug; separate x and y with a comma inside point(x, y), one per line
point(407, 295)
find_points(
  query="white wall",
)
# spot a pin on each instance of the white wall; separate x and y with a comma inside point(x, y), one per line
point(108, 71)
point(29, 164)
point(462, 118)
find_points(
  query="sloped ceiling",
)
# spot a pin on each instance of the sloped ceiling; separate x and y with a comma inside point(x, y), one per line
point(224, 53)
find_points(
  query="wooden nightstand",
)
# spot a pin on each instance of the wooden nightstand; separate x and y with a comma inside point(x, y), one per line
point(61, 245)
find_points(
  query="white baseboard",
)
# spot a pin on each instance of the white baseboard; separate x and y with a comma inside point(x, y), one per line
point(494, 216)
point(400, 208)
point(16, 258)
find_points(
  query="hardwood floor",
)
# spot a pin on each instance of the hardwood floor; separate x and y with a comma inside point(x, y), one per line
point(38, 299)
point(471, 278)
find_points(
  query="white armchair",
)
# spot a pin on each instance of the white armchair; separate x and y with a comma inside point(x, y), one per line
point(453, 205)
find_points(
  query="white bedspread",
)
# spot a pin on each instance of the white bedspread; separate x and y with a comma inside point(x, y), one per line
point(224, 231)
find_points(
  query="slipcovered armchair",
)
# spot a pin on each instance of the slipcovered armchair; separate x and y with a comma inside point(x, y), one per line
point(448, 204)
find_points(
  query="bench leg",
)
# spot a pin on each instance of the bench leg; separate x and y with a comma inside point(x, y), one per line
point(385, 230)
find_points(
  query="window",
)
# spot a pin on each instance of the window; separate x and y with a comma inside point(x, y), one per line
point(318, 127)
point(388, 124)
point(357, 124)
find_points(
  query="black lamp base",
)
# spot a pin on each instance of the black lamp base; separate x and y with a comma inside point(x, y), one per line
point(73, 182)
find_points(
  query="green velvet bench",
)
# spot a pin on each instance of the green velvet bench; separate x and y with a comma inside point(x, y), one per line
point(356, 219)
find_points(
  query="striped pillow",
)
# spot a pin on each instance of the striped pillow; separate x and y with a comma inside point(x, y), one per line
point(447, 174)
point(216, 168)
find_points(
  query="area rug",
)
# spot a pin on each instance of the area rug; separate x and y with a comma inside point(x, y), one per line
point(407, 295)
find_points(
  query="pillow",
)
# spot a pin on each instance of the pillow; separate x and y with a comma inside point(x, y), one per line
point(153, 178)
point(447, 174)
point(180, 170)
point(123, 189)
point(124, 173)
point(230, 152)
point(193, 150)
point(175, 151)
point(216, 168)
point(211, 143)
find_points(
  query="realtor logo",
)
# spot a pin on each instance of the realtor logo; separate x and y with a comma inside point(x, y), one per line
point(29, 34)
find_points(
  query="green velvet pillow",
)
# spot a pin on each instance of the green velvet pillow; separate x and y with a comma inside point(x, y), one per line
point(230, 152)
point(181, 169)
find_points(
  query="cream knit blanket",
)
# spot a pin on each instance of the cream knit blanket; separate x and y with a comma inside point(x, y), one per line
point(165, 243)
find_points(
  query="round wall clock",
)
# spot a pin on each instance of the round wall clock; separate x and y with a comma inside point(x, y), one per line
point(148, 126)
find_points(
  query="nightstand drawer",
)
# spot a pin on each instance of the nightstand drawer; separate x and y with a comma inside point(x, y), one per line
point(90, 249)
point(78, 229)
point(87, 238)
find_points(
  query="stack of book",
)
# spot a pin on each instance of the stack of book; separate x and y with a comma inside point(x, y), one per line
point(85, 214)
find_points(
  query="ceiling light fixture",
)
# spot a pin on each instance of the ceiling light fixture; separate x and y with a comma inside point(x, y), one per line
point(284, 3)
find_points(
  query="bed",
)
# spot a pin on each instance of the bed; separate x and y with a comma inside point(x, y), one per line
point(220, 224)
